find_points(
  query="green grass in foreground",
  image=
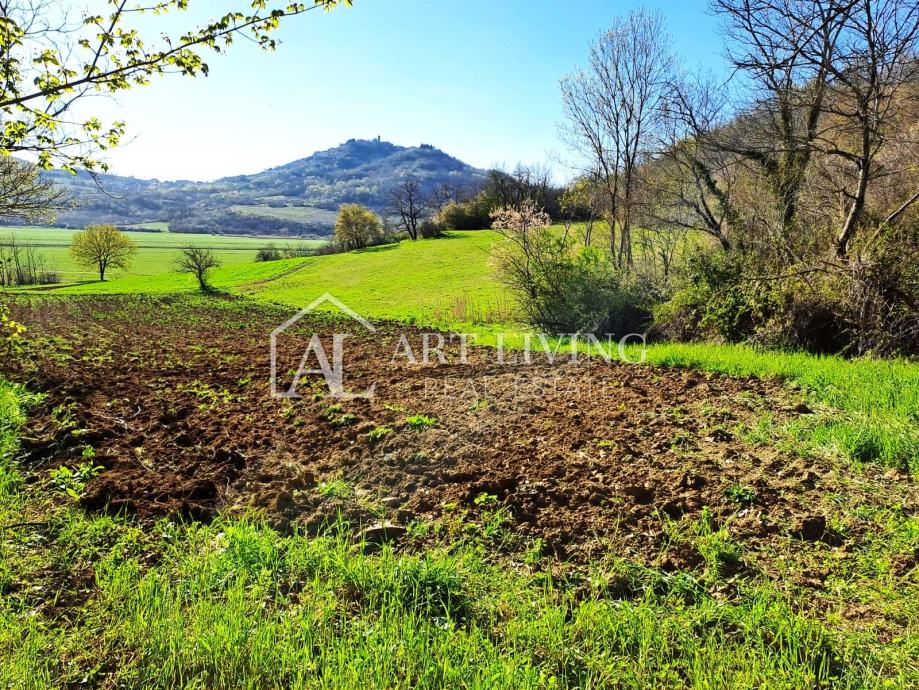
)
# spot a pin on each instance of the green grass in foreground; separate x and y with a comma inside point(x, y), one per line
point(445, 280)
point(874, 413)
point(156, 251)
point(97, 602)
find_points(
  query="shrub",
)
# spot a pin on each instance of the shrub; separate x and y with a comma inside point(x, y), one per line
point(357, 227)
point(562, 288)
point(468, 215)
point(268, 253)
point(12, 342)
point(866, 306)
point(430, 229)
point(719, 298)
point(880, 297)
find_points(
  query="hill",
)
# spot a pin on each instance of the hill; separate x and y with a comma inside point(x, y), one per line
point(299, 198)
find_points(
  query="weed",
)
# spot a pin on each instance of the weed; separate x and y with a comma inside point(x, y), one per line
point(64, 416)
point(378, 434)
point(420, 422)
point(335, 488)
point(715, 545)
point(333, 414)
point(209, 396)
point(742, 495)
point(485, 499)
point(73, 481)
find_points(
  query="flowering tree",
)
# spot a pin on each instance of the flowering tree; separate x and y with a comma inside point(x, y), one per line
point(518, 223)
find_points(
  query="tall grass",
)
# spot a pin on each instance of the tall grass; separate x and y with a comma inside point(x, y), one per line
point(235, 605)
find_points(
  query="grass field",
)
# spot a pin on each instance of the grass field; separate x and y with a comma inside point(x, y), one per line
point(431, 281)
point(99, 601)
point(157, 251)
point(297, 214)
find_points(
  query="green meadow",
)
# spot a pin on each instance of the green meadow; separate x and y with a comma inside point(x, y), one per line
point(156, 251)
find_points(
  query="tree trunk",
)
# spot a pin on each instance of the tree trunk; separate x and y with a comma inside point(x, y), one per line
point(855, 212)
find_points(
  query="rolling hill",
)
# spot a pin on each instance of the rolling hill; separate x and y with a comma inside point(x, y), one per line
point(299, 198)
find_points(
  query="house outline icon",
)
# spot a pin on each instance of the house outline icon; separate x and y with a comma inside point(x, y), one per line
point(280, 330)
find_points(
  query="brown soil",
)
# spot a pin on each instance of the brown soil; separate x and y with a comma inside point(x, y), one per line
point(586, 456)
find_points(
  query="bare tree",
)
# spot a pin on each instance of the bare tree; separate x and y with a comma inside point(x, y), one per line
point(25, 195)
point(872, 105)
point(784, 48)
point(21, 263)
point(409, 204)
point(690, 180)
point(835, 77)
point(613, 110)
point(526, 182)
point(198, 261)
point(447, 193)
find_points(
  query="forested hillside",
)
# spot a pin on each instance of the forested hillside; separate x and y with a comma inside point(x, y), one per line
point(299, 198)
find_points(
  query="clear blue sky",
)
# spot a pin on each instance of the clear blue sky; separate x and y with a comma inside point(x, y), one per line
point(477, 78)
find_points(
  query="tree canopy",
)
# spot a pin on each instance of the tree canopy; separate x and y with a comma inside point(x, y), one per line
point(357, 227)
point(102, 247)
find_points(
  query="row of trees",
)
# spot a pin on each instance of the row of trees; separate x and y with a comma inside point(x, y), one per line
point(825, 138)
point(21, 263)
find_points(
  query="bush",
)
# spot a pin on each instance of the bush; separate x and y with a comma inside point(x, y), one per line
point(880, 297)
point(268, 253)
point(468, 215)
point(562, 288)
point(717, 299)
point(430, 229)
point(12, 342)
point(867, 306)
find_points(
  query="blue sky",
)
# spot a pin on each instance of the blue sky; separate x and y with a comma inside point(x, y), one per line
point(477, 78)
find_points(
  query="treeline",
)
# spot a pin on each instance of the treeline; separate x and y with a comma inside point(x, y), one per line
point(779, 208)
point(227, 222)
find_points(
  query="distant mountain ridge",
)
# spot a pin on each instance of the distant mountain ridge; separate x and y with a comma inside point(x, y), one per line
point(299, 198)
